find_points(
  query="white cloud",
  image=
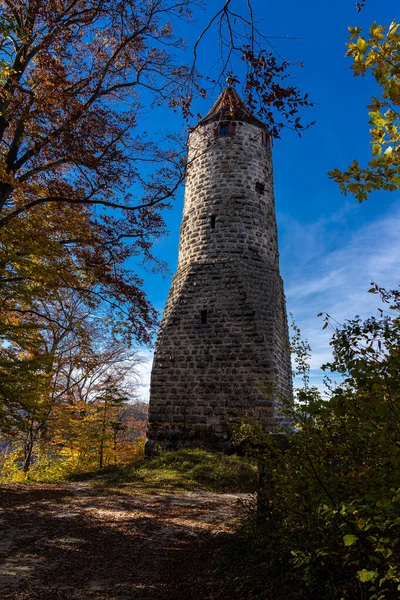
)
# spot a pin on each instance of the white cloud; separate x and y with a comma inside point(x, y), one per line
point(336, 281)
point(143, 373)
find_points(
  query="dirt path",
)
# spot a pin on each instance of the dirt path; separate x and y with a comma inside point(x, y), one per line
point(75, 542)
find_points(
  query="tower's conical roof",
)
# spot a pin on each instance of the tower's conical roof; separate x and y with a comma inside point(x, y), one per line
point(230, 107)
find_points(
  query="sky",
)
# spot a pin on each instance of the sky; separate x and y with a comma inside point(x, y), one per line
point(331, 247)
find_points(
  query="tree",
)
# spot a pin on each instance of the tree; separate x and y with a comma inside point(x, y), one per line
point(61, 360)
point(64, 143)
point(108, 401)
point(68, 124)
point(96, 403)
point(378, 54)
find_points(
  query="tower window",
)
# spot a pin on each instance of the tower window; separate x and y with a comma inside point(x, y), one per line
point(224, 130)
point(203, 317)
point(213, 220)
point(260, 187)
point(264, 138)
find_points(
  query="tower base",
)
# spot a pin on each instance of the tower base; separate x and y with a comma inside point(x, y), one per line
point(222, 353)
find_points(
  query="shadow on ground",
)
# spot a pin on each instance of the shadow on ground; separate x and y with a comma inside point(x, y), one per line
point(75, 542)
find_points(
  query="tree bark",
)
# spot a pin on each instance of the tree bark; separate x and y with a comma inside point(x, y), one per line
point(6, 190)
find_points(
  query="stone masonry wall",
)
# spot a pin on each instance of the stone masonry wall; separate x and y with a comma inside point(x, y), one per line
point(221, 181)
point(223, 348)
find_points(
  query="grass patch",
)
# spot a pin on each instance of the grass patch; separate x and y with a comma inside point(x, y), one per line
point(190, 469)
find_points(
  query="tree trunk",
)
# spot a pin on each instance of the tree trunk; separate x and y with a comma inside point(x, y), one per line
point(6, 190)
point(103, 433)
point(28, 450)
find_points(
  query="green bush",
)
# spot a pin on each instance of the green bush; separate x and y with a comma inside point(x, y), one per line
point(329, 506)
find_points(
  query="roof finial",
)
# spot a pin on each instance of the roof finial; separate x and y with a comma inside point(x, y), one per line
point(231, 79)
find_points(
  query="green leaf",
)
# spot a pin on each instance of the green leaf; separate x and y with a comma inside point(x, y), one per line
point(365, 575)
point(349, 539)
point(362, 44)
point(376, 149)
point(361, 523)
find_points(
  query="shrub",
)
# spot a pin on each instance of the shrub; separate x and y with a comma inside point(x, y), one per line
point(329, 506)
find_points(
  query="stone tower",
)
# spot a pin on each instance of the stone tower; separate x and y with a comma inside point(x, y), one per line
point(223, 348)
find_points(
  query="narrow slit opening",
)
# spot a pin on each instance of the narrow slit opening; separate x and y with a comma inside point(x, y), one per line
point(203, 317)
point(213, 220)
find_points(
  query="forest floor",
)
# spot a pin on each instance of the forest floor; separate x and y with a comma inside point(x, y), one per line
point(78, 541)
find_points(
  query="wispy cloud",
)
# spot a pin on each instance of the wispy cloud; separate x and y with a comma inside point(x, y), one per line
point(336, 279)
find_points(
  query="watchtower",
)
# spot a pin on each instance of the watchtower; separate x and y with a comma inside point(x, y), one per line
point(223, 348)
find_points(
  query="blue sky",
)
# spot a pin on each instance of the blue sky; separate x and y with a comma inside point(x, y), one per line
point(330, 246)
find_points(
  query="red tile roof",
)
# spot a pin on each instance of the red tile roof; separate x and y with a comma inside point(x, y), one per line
point(230, 107)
